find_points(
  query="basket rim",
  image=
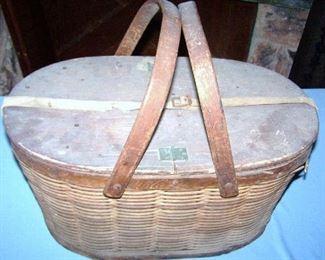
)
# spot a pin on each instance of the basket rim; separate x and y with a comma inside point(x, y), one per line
point(145, 181)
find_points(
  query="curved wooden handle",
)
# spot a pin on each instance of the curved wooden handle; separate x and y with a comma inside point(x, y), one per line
point(210, 100)
point(157, 93)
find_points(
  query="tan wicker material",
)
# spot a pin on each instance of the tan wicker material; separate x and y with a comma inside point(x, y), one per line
point(154, 222)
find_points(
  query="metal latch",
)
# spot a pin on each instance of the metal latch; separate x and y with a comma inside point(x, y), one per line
point(182, 101)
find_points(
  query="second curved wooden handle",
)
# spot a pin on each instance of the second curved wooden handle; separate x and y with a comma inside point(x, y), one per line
point(210, 100)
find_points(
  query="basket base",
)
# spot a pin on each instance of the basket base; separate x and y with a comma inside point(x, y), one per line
point(160, 255)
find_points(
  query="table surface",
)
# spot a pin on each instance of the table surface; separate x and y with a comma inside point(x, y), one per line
point(296, 229)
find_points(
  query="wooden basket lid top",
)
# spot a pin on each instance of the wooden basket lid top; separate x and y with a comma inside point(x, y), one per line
point(79, 112)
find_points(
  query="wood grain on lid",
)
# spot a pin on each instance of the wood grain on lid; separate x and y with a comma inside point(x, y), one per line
point(258, 134)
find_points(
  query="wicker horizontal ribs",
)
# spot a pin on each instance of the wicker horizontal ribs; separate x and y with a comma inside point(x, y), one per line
point(163, 213)
point(154, 222)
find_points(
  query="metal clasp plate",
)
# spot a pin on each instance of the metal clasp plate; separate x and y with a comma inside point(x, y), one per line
point(181, 101)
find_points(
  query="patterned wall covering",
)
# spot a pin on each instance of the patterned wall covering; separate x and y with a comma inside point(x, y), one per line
point(10, 72)
point(305, 4)
point(276, 37)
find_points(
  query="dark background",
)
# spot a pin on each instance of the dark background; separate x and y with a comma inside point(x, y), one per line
point(46, 31)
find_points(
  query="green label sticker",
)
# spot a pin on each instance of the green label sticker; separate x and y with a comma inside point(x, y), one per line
point(173, 154)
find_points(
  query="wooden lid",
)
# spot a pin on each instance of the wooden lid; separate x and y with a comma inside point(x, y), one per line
point(259, 135)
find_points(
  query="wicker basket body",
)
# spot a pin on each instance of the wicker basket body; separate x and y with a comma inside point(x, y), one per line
point(155, 223)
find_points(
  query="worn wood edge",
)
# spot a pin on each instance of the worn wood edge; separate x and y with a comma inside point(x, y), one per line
point(164, 181)
point(248, 169)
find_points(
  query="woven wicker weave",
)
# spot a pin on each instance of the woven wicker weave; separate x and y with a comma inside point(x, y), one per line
point(73, 151)
point(154, 222)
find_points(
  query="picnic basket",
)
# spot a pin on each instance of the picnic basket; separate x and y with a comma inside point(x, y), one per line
point(177, 173)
